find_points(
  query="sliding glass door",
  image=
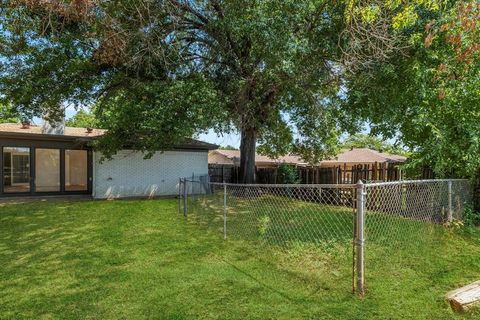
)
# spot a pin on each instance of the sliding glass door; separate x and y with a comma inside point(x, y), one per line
point(47, 170)
point(76, 170)
point(55, 170)
point(16, 169)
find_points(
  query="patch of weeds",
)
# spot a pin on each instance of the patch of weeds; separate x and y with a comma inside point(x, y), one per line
point(264, 223)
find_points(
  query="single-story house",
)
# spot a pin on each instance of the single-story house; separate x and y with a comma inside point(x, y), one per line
point(362, 156)
point(45, 160)
point(232, 158)
point(347, 167)
point(346, 158)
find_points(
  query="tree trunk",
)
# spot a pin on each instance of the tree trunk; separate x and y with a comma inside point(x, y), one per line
point(247, 155)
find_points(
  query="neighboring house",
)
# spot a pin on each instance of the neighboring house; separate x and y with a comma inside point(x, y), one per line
point(347, 158)
point(347, 167)
point(232, 158)
point(46, 160)
point(362, 156)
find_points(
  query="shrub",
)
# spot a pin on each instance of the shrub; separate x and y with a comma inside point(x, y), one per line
point(471, 217)
point(287, 174)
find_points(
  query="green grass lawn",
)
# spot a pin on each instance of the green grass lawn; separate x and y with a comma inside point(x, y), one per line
point(141, 259)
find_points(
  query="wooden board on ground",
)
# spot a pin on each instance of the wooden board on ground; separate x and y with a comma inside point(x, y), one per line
point(465, 297)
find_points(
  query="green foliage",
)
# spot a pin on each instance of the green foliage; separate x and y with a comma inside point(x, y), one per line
point(228, 147)
point(163, 71)
point(264, 223)
point(430, 97)
point(274, 76)
point(360, 140)
point(82, 119)
point(8, 114)
point(158, 115)
point(232, 65)
point(471, 217)
point(287, 174)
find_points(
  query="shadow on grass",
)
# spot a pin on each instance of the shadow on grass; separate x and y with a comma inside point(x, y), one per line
point(137, 259)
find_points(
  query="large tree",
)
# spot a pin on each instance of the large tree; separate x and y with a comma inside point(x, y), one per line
point(431, 96)
point(163, 70)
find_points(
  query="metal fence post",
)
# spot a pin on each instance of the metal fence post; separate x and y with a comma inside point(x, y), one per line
point(224, 211)
point(360, 238)
point(450, 208)
point(179, 195)
point(185, 210)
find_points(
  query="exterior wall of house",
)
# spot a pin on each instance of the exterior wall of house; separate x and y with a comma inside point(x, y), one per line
point(129, 175)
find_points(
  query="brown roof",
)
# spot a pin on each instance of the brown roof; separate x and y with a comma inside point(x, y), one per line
point(35, 129)
point(356, 155)
point(71, 133)
point(364, 155)
point(234, 156)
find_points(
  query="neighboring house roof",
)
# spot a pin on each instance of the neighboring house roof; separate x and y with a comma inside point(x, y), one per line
point(364, 155)
point(16, 130)
point(220, 156)
point(356, 155)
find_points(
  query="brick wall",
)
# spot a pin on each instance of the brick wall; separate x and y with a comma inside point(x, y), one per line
point(129, 175)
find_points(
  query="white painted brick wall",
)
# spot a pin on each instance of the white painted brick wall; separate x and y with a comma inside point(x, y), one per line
point(129, 175)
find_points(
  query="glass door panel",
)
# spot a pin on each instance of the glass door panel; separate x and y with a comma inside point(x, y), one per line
point(76, 170)
point(16, 169)
point(47, 170)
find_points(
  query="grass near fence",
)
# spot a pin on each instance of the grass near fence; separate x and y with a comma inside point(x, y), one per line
point(141, 259)
point(287, 221)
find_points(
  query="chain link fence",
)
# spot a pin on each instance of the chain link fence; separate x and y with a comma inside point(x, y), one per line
point(406, 223)
point(347, 227)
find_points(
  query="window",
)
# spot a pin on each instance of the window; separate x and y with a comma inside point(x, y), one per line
point(47, 170)
point(16, 169)
point(76, 170)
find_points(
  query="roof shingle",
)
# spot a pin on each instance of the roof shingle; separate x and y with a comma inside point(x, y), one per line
point(36, 129)
point(356, 155)
point(73, 133)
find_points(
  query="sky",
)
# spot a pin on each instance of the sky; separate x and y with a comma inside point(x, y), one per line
point(224, 140)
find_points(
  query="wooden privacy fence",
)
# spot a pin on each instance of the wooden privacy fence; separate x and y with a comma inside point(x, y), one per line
point(313, 175)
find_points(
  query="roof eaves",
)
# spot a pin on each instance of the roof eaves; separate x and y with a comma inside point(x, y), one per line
point(41, 136)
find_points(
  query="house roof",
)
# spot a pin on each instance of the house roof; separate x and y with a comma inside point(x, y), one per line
point(36, 129)
point(356, 155)
point(71, 133)
point(196, 144)
point(234, 156)
point(364, 155)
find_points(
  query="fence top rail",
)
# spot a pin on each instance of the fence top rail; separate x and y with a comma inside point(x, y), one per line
point(294, 185)
point(190, 180)
point(402, 182)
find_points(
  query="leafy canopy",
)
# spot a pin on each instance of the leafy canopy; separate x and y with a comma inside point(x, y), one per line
point(163, 71)
point(360, 140)
point(83, 119)
point(8, 114)
point(431, 96)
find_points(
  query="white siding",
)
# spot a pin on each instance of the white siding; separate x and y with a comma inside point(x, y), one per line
point(129, 175)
